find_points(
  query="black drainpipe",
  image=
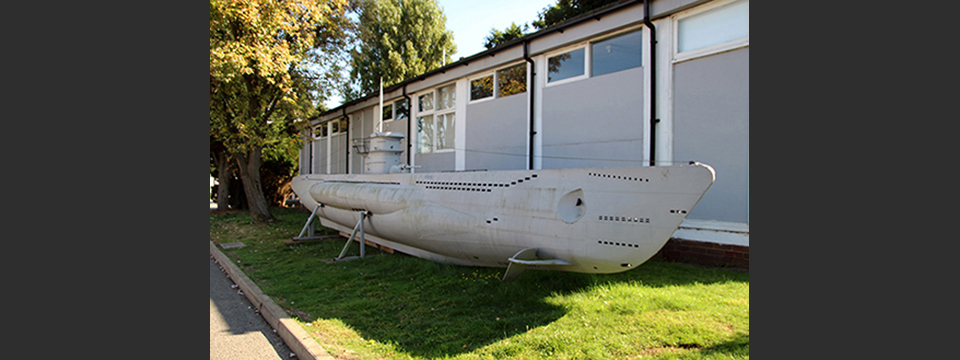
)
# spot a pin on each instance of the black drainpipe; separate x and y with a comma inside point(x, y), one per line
point(348, 140)
point(653, 81)
point(409, 123)
point(533, 86)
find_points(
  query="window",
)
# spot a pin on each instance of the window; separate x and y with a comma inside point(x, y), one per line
point(716, 29)
point(397, 110)
point(401, 109)
point(425, 101)
point(387, 113)
point(320, 131)
point(616, 54)
point(425, 134)
point(445, 131)
point(336, 127)
point(436, 122)
point(608, 55)
point(565, 66)
point(512, 80)
point(481, 88)
point(504, 82)
point(446, 97)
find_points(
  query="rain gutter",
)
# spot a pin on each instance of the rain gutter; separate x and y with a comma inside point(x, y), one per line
point(653, 81)
point(533, 74)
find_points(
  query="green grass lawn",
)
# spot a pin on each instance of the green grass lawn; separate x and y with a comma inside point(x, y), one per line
point(394, 306)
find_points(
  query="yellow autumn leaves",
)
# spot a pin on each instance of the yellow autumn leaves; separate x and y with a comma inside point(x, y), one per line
point(266, 38)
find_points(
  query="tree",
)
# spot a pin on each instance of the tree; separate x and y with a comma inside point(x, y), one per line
point(398, 39)
point(221, 169)
point(271, 62)
point(498, 37)
point(565, 10)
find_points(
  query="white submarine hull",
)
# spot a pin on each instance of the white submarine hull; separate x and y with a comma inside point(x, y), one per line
point(590, 220)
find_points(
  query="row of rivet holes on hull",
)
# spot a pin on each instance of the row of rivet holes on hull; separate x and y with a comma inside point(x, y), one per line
point(623, 219)
point(635, 220)
point(456, 188)
point(618, 177)
point(604, 242)
point(424, 182)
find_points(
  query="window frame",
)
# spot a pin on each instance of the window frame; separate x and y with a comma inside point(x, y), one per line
point(496, 79)
point(341, 125)
point(435, 113)
point(586, 64)
point(710, 49)
point(493, 93)
point(495, 75)
point(395, 112)
point(390, 112)
point(639, 29)
point(323, 129)
point(433, 95)
point(587, 47)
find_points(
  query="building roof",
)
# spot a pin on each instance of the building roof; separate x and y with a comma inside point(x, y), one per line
point(593, 14)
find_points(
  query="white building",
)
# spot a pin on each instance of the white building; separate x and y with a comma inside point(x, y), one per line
point(614, 87)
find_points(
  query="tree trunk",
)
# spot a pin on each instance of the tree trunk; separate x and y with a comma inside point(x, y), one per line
point(249, 164)
point(223, 179)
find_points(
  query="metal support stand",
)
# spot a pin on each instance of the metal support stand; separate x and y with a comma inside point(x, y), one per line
point(309, 226)
point(359, 227)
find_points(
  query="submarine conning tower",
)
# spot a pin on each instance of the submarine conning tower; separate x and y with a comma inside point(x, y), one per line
point(380, 152)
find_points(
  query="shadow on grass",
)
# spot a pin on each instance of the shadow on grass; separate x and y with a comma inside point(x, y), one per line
point(739, 345)
point(428, 309)
point(424, 308)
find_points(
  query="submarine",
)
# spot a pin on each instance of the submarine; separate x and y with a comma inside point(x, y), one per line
point(592, 220)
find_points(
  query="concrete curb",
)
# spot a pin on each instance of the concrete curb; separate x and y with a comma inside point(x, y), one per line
point(292, 333)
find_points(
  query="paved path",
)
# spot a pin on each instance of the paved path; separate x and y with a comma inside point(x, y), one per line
point(237, 332)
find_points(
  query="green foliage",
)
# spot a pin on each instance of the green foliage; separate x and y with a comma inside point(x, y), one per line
point(481, 87)
point(395, 306)
point(498, 37)
point(264, 58)
point(271, 64)
point(397, 40)
point(513, 80)
point(565, 10)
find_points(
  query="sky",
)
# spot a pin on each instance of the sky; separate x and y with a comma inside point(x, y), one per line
point(471, 21)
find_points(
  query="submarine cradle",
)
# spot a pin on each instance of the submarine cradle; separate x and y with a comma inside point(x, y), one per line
point(590, 220)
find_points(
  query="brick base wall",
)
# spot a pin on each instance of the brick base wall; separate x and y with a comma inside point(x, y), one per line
point(705, 253)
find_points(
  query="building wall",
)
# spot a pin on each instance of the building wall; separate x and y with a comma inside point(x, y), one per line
point(496, 133)
point(599, 121)
point(435, 162)
point(361, 126)
point(596, 121)
point(706, 253)
point(319, 156)
point(711, 111)
point(338, 153)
